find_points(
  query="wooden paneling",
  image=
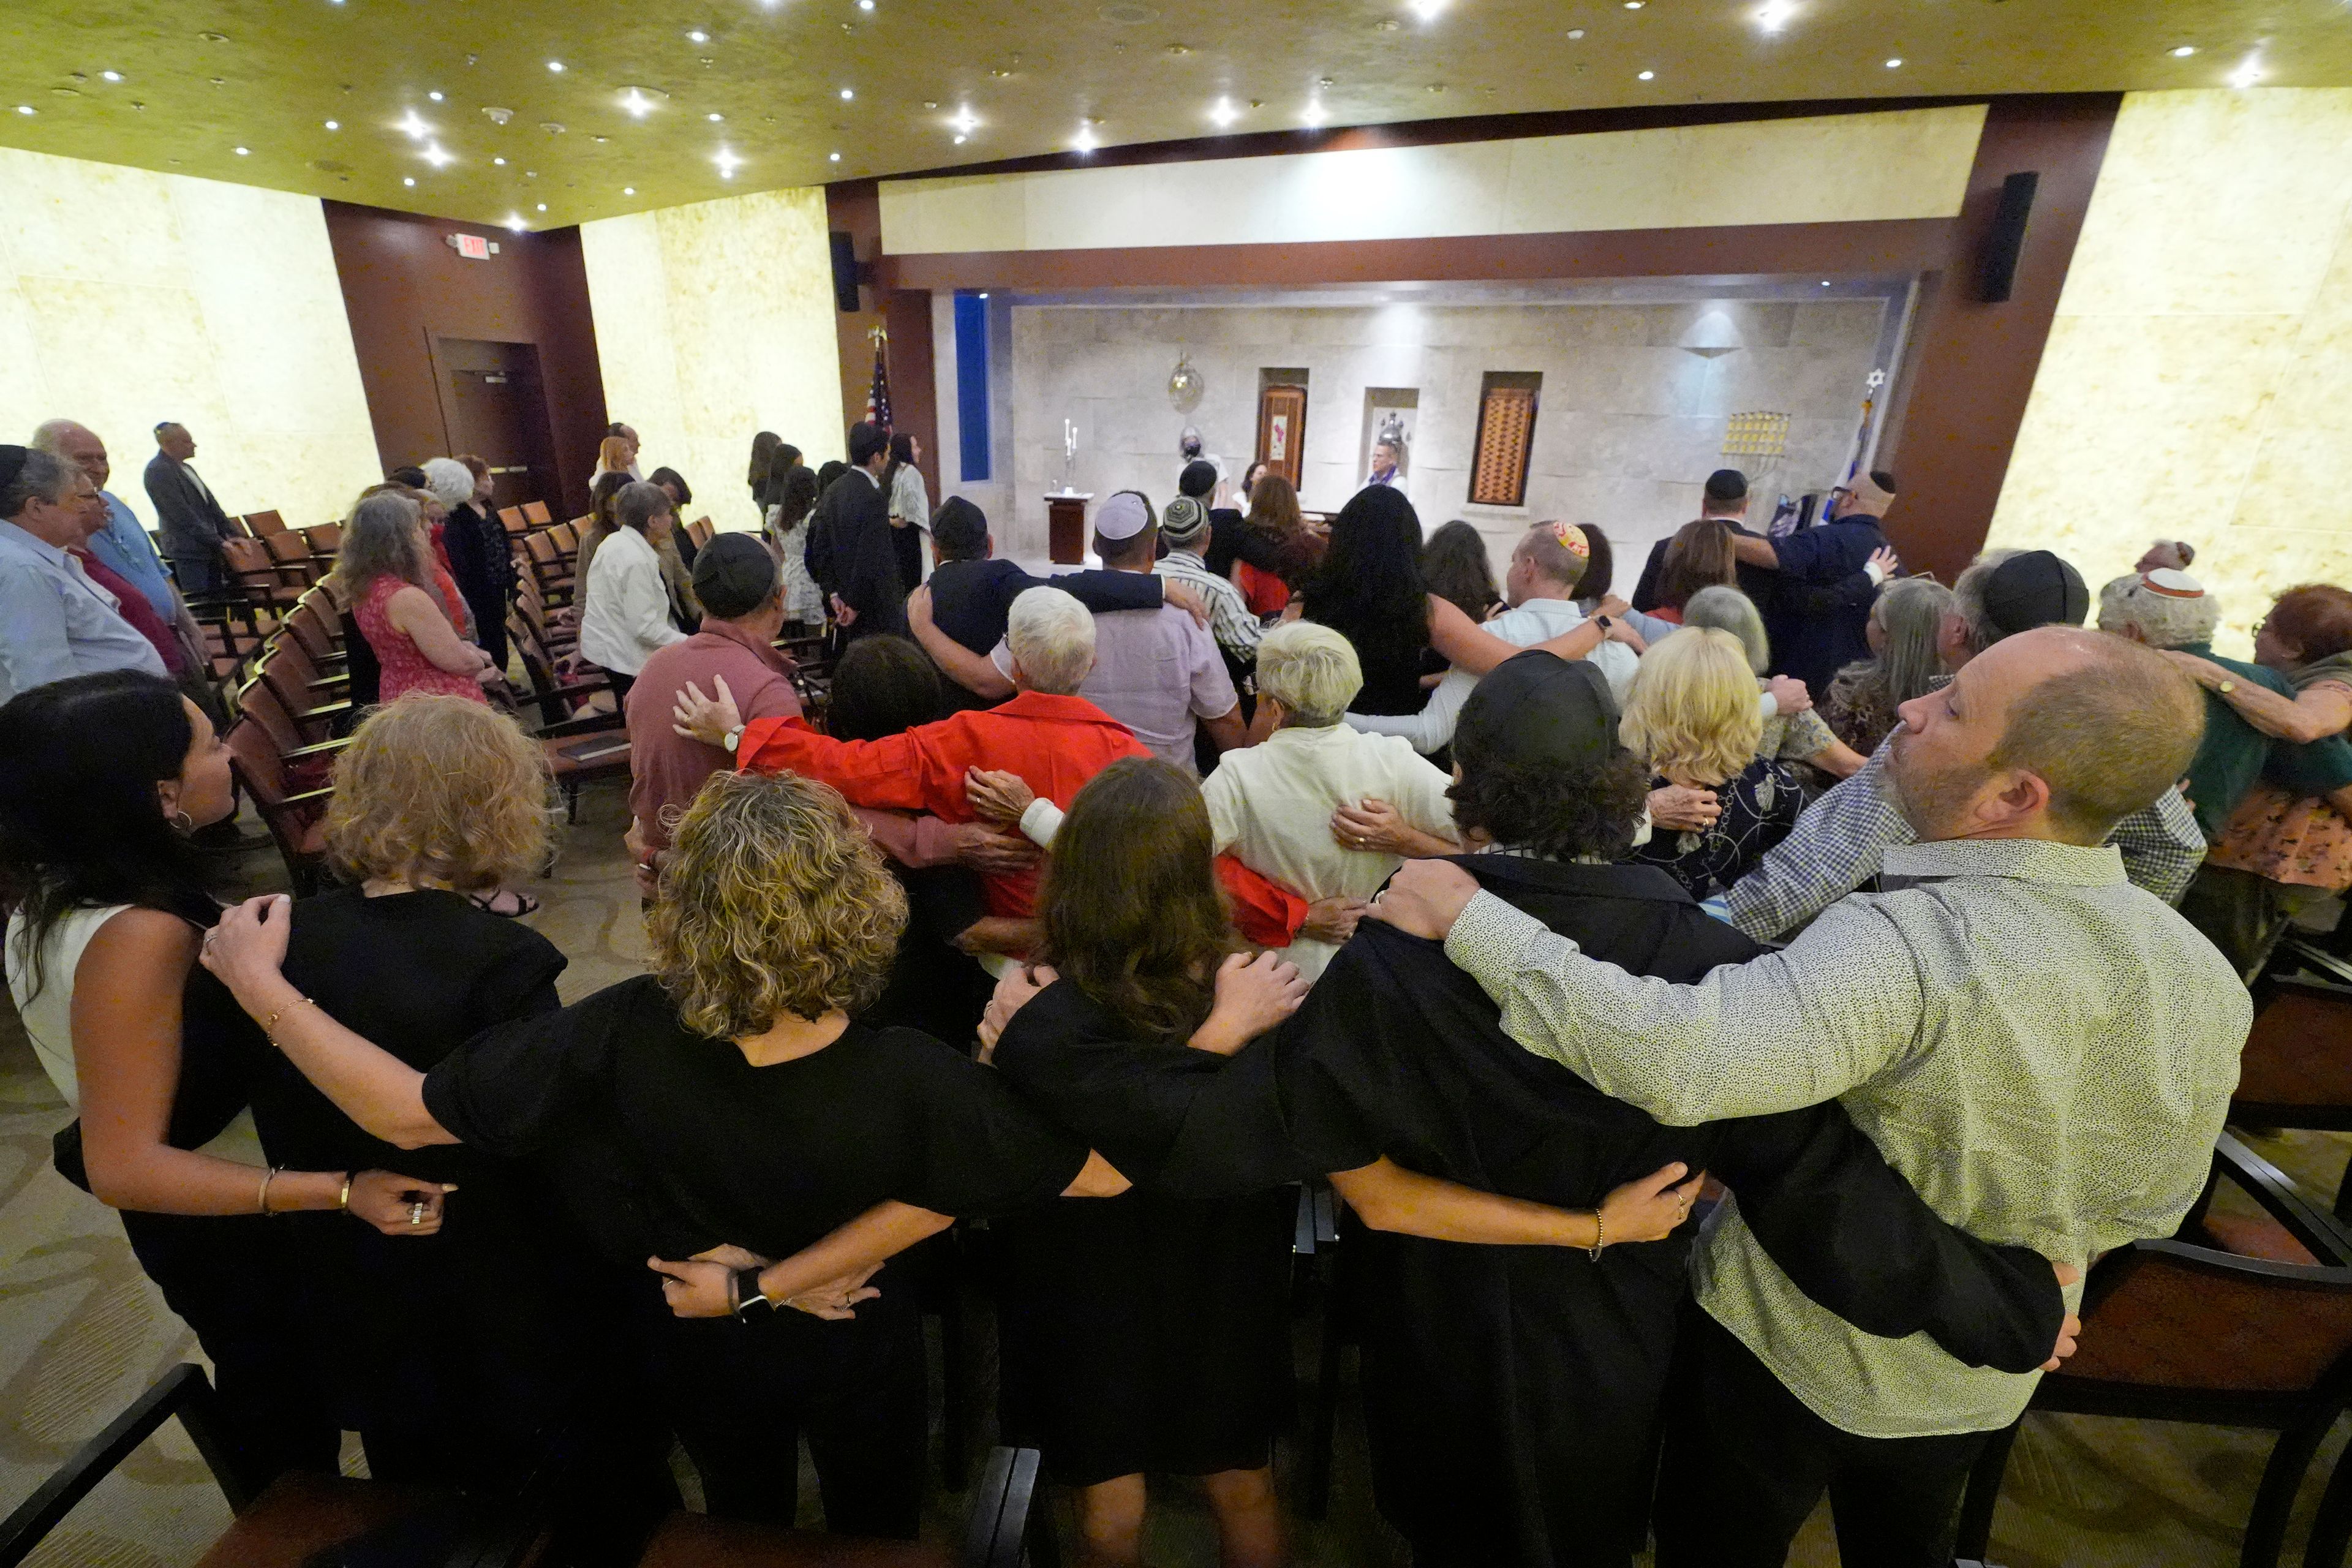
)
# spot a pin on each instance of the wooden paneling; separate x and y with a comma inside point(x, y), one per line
point(905, 310)
point(1282, 429)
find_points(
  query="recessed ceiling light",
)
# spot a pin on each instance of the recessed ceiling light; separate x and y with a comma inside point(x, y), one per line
point(556, 66)
point(714, 117)
point(1825, 282)
point(1646, 76)
point(417, 130)
point(866, 4)
point(408, 180)
point(961, 139)
point(1895, 64)
point(245, 151)
point(542, 206)
point(628, 190)
point(2184, 51)
point(1223, 113)
point(964, 119)
point(728, 164)
point(638, 104)
point(983, 293)
point(514, 220)
point(1084, 141)
point(436, 156)
point(2249, 72)
point(501, 162)
point(1575, 32)
point(111, 76)
point(1633, 4)
point(1313, 116)
point(334, 125)
point(434, 95)
point(848, 92)
point(1773, 14)
point(1427, 10)
point(833, 158)
point(698, 36)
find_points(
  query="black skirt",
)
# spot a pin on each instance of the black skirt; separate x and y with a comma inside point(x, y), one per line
point(1147, 1333)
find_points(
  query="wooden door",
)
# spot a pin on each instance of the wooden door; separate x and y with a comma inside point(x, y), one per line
point(493, 405)
point(1282, 429)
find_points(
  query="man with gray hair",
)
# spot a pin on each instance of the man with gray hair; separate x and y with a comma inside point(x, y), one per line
point(55, 622)
point(2046, 1051)
point(1047, 735)
point(1837, 844)
point(2242, 914)
point(186, 514)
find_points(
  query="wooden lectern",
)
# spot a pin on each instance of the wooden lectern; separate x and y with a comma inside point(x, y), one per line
point(1065, 527)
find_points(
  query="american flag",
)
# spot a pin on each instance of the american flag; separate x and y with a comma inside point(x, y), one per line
point(877, 397)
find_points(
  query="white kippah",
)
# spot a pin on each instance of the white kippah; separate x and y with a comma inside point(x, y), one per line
point(1123, 516)
point(2172, 584)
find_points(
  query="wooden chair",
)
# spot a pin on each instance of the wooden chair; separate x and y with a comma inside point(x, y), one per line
point(291, 808)
point(324, 540)
point(512, 519)
point(2296, 1068)
point(293, 1520)
point(551, 571)
point(257, 577)
point(262, 525)
point(1001, 1530)
point(535, 513)
point(310, 695)
point(316, 624)
point(700, 531)
point(2173, 1332)
point(292, 554)
point(566, 537)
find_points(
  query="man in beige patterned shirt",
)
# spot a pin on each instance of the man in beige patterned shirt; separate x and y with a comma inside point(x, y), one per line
point(2046, 1051)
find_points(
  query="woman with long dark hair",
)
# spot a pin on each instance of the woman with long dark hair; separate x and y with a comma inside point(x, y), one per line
point(765, 446)
point(788, 536)
point(1455, 565)
point(910, 507)
point(102, 779)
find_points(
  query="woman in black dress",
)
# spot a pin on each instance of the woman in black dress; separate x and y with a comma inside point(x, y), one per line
point(102, 777)
point(437, 799)
point(724, 1110)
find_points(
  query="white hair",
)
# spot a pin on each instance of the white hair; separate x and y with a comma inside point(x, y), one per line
point(1052, 640)
point(50, 434)
point(449, 481)
point(2161, 620)
point(1730, 610)
point(1969, 597)
point(1311, 670)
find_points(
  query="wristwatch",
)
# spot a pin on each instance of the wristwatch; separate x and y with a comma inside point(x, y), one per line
point(749, 1302)
point(734, 739)
point(1605, 623)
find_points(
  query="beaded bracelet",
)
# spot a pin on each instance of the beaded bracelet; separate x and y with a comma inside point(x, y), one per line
point(269, 1024)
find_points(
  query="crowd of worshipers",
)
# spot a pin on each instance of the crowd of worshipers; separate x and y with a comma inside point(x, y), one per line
point(1108, 910)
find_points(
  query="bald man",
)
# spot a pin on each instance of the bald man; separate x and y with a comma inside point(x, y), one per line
point(122, 546)
point(190, 520)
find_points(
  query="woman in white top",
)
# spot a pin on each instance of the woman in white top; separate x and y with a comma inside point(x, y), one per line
point(102, 778)
point(626, 618)
point(910, 507)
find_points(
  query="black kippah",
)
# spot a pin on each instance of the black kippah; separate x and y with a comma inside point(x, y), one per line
point(12, 463)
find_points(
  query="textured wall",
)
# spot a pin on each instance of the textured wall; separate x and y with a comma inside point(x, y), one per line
point(1631, 422)
point(127, 298)
point(2198, 382)
point(713, 321)
point(1905, 164)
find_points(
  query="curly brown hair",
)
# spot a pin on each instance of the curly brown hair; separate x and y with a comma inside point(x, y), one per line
point(772, 900)
point(1559, 811)
point(1131, 903)
point(440, 790)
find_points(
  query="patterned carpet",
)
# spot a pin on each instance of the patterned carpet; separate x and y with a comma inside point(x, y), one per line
point(82, 1332)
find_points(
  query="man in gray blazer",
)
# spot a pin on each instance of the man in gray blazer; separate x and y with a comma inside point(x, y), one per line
point(190, 520)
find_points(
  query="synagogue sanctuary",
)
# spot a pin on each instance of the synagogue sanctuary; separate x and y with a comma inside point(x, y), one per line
point(1155, 784)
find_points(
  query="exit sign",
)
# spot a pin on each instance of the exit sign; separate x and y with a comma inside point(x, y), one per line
point(472, 247)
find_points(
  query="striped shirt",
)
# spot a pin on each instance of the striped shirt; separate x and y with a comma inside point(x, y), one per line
point(1836, 845)
point(2044, 1051)
point(1237, 630)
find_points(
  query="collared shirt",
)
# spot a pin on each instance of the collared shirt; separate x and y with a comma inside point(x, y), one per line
point(1055, 744)
point(2045, 1051)
point(124, 545)
point(1237, 631)
point(133, 607)
point(1271, 804)
point(55, 623)
point(1836, 845)
point(626, 614)
point(1536, 621)
point(1156, 672)
point(666, 769)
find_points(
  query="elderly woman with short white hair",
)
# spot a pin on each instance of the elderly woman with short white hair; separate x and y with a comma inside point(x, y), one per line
point(480, 559)
point(1326, 810)
point(1801, 737)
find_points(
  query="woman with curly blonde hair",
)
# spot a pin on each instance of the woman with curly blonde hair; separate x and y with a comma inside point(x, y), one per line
point(727, 1110)
point(1693, 718)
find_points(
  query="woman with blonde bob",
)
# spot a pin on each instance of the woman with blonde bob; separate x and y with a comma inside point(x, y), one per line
point(437, 801)
point(1785, 737)
point(726, 1111)
point(1694, 717)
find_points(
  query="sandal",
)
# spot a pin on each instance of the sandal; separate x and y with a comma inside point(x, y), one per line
point(524, 904)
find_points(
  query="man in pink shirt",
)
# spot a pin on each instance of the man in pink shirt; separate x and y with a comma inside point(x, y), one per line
point(736, 581)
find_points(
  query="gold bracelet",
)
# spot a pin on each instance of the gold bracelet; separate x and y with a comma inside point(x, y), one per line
point(1600, 1237)
point(269, 1174)
point(270, 1025)
point(343, 1198)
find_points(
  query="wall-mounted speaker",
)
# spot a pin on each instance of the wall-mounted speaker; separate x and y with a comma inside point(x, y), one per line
point(845, 272)
point(1997, 266)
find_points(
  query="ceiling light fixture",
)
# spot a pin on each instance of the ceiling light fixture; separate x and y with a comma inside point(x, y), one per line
point(501, 162)
point(514, 220)
point(245, 151)
point(1773, 14)
point(542, 206)
point(961, 139)
point(1223, 114)
point(628, 190)
point(1575, 33)
point(638, 104)
point(847, 93)
point(866, 4)
point(408, 180)
point(1427, 10)
point(434, 95)
point(714, 117)
point(833, 158)
point(334, 125)
point(965, 120)
point(697, 36)
point(111, 76)
point(1313, 116)
point(1895, 64)
point(436, 156)
point(556, 66)
point(728, 162)
point(1633, 4)
point(2184, 51)
point(1646, 76)
point(2249, 71)
point(1084, 141)
point(417, 130)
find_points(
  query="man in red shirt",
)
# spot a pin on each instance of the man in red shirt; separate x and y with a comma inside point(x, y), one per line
point(1055, 739)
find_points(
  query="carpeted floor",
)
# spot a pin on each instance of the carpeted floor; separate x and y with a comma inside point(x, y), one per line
point(81, 1332)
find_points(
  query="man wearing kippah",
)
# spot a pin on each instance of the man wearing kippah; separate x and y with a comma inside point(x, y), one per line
point(1824, 579)
point(1724, 497)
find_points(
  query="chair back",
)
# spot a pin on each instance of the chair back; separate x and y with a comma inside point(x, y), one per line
point(291, 554)
point(262, 525)
point(324, 540)
point(511, 519)
point(700, 531)
point(2296, 1068)
point(566, 537)
point(317, 626)
point(291, 814)
point(535, 513)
